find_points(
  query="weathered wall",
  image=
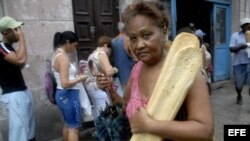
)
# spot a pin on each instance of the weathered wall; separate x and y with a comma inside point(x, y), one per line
point(239, 7)
point(42, 19)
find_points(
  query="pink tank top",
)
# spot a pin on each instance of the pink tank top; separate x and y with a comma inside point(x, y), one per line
point(136, 100)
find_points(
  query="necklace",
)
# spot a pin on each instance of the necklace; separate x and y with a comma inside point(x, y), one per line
point(60, 49)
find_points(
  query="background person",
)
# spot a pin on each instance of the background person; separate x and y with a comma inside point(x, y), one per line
point(101, 55)
point(16, 97)
point(121, 57)
point(67, 93)
point(206, 57)
point(190, 28)
point(241, 63)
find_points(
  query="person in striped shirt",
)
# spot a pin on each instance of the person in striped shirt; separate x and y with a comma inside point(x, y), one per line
point(16, 98)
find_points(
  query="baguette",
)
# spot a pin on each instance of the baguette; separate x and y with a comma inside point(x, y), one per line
point(177, 75)
point(247, 34)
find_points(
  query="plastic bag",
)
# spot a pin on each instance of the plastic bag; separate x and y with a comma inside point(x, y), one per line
point(85, 104)
point(118, 86)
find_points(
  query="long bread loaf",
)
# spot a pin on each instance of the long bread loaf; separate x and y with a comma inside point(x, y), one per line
point(177, 75)
point(247, 34)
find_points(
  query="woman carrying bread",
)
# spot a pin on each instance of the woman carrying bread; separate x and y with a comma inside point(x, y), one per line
point(147, 26)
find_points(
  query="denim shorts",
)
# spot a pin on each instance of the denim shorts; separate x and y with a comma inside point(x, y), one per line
point(69, 103)
point(20, 110)
point(241, 75)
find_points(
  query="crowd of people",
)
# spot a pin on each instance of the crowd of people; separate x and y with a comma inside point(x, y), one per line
point(138, 53)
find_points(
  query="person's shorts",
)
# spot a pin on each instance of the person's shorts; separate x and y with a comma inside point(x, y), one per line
point(241, 75)
point(20, 110)
point(68, 102)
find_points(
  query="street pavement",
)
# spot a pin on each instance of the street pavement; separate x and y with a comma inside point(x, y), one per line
point(225, 109)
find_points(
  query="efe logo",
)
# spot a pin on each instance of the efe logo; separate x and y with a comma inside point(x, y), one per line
point(237, 132)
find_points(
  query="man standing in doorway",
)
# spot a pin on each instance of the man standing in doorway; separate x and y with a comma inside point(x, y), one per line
point(241, 62)
point(16, 97)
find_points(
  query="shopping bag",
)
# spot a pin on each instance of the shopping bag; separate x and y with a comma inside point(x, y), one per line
point(85, 103)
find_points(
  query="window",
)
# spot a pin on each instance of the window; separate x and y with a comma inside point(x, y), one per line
point(220, 27)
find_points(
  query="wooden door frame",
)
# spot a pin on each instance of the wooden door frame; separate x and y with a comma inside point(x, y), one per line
point(97, 23)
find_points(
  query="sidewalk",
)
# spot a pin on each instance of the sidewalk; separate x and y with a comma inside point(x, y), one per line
point(225, 109)
point(220, 84)
point(84, 135)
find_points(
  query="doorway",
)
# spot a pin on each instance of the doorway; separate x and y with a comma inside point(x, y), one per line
point(92, 19)
point(214, 19)
point(197, 12)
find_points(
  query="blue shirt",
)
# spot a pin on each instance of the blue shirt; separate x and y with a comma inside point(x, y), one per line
point(240, 57)
point(122, 60)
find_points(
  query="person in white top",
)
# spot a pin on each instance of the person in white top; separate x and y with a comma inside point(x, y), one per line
point(101, 57)
point(67, 93)
point(206, 57)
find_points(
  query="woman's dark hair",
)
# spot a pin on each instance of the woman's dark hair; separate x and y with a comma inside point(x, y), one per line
point(104, 40)
point(61, 38)
point(151, 9)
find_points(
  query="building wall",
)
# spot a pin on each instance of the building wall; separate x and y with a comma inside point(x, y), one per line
point(239, 7)
point(42, 19)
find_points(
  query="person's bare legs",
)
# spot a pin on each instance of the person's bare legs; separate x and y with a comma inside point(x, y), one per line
point(239, 97)
point(72, 134)
point(249, 91)
point(209, 88)
point(65, 133)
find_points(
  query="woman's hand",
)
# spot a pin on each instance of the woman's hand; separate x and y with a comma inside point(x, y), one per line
point(140, 121)
point(102, 81)
point(82, 77)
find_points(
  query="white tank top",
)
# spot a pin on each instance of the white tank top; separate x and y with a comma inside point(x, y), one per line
point(72, 73)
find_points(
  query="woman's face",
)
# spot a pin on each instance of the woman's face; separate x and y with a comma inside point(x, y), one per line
point(72, 46)
point(107, 50)
point(147, 39)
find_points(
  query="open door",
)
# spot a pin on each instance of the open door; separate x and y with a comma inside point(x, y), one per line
point(221, 37)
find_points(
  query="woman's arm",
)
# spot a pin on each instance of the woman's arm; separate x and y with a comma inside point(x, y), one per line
point(103, 82)
point(199, 123)
point(125, 99)
point(106, 66)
